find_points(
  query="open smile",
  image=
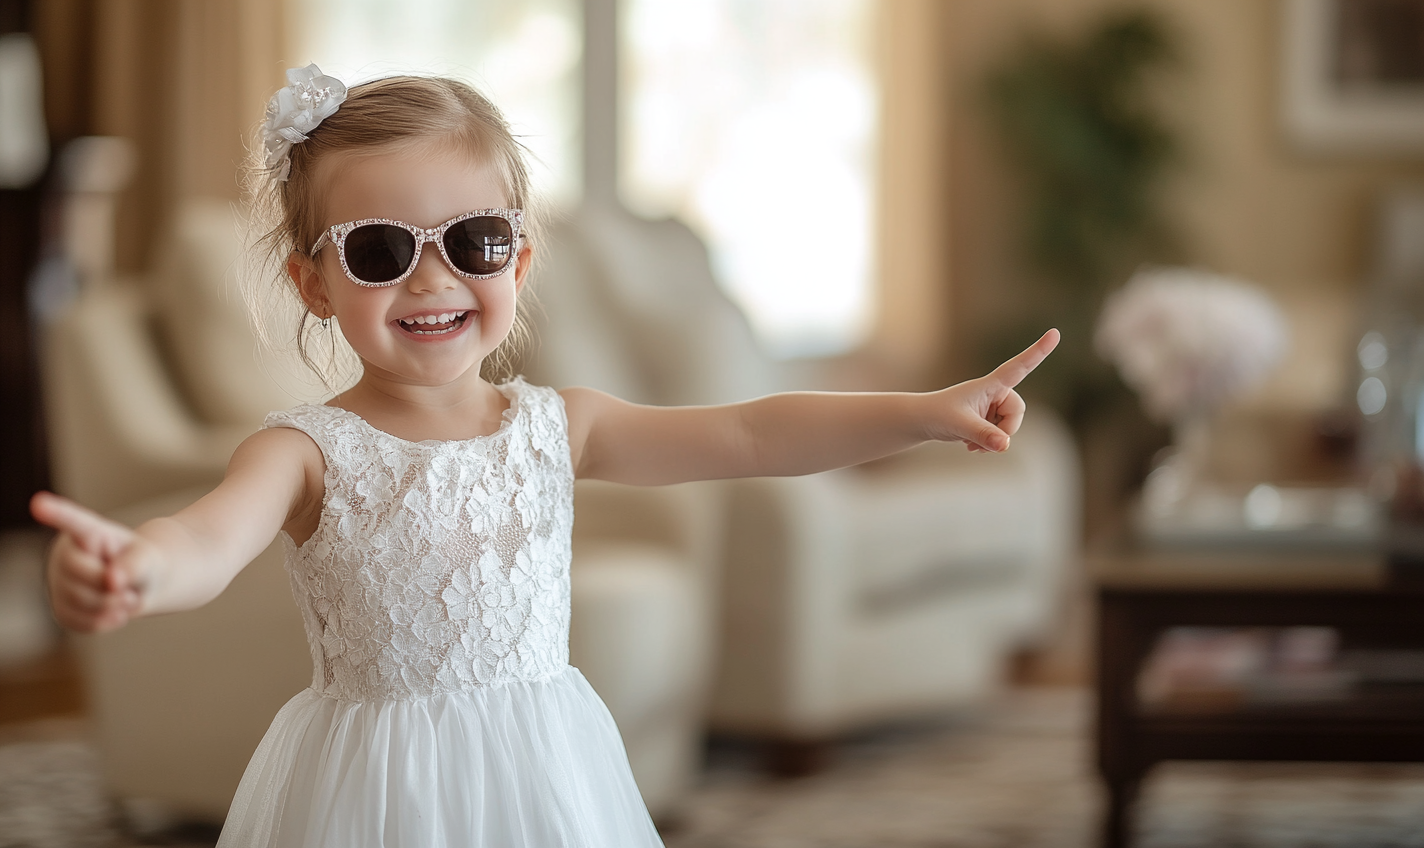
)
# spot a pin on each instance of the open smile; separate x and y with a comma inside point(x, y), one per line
point(435, 324)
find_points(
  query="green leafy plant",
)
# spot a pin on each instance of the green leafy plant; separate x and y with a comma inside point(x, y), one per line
point(1089, 150)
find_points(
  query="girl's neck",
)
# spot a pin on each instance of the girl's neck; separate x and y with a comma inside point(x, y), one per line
point(459, 410)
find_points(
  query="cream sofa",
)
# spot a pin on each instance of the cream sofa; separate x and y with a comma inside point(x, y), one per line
point(848, 597)
point(150, 383)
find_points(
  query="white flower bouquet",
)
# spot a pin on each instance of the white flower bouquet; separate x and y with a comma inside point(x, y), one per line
point(1188, 341)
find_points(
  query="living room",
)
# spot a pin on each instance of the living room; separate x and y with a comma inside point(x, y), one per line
point(1174, 612)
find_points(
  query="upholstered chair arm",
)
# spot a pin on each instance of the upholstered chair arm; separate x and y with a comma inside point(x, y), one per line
point(119, 430)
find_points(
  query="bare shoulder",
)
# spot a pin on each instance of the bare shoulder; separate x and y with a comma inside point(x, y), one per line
point(287, 465)
point(581, 403)
point(584, 408)
point(278, 447)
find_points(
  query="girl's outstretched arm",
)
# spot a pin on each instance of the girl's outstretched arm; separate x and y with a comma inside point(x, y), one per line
point(102, 573)
point(790, 434)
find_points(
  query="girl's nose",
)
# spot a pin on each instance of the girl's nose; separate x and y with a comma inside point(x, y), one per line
point(431, 274)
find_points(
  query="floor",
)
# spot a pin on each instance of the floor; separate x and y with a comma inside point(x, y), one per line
point(1012, 772)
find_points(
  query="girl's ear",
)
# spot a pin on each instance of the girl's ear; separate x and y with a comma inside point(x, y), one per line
point(304, 274)
point(522, 265)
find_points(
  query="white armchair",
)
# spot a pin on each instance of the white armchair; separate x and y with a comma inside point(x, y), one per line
point(846, 597)
point(150, 383)
point(873, 593)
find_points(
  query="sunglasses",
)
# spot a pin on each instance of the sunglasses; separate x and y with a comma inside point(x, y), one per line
point(382, 252)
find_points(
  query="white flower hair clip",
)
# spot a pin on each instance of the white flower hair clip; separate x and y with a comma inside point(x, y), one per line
point(309, 98)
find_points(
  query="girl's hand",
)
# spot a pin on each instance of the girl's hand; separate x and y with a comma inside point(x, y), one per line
point(985, 412)
point(96, 573)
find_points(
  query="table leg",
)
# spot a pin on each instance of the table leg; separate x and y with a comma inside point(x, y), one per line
point(1123, 643)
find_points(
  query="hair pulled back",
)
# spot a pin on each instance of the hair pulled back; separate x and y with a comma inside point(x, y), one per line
point(384, 113)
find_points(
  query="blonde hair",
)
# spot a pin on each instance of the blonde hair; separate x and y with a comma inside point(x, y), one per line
point(382, 113)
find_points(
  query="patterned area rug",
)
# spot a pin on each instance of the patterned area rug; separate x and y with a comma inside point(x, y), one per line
point(1019, 773)
point(51, 796)
point(1016, 772)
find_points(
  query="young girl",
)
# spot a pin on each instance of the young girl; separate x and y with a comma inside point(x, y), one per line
point(427, 513)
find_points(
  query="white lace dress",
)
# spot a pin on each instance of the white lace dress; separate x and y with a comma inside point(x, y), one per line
point(443, 712)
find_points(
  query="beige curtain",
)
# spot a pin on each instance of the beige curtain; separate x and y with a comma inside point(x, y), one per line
point(911, 338)
point(185, 80)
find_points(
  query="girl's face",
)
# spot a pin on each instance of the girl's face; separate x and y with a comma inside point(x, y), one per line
point(424, 187)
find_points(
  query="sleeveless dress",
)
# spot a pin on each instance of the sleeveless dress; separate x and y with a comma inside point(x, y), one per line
point(443, 712)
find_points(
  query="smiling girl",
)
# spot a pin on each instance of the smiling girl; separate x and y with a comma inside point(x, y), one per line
point(427, 512)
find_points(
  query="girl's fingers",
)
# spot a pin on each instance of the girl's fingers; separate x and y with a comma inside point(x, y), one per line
point(77, 596)
point(1009, 413)
point(1013, 372)
point(77, 587)
point(82, 609)
point(92, 532)
point(71, 563)
point(92, 586)
point(91, 612)
point(1002, 419)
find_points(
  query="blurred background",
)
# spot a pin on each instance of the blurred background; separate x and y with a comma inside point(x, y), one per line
point(1220, 204)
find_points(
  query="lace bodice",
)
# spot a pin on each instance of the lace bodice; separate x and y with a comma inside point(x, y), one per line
point(437, 566)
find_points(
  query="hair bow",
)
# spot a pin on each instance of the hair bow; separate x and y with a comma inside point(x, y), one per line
point(294, 111)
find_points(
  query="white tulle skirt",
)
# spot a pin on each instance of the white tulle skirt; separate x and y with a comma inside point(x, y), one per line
point(525, 764)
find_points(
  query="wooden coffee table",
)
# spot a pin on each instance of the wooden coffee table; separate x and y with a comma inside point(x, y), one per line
point(1141, 594)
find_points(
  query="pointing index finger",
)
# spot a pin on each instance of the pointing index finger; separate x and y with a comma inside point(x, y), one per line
point(93, 533)
point(1012, 372)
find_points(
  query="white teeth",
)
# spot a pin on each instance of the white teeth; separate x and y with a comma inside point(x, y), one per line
point(442, 318)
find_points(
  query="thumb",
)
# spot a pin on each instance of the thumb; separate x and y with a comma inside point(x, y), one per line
point(989, 437)
point(93, 533)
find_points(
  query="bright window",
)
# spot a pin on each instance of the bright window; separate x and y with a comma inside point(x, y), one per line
point(525, 56)
point(752, 120)
point(755, 121)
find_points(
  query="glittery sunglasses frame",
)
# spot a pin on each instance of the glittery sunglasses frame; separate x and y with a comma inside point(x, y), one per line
point(337, 233)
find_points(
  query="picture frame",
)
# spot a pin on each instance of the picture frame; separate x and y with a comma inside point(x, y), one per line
point(1352, 76)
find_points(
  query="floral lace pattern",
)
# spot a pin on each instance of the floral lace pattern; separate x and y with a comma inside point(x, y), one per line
point(437, 566)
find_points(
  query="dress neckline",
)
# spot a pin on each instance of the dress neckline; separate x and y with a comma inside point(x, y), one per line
point(506, 420)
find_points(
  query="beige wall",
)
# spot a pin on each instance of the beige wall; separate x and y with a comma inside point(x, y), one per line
point(1247, 203)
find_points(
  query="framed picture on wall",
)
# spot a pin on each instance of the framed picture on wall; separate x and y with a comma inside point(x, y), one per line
point(1353, 76)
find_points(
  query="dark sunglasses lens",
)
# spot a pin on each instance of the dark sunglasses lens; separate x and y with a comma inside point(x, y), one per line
point(480, 245)
point(378, 253)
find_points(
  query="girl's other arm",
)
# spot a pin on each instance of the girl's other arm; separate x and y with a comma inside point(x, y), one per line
point(102, 573)
point(790, 434)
